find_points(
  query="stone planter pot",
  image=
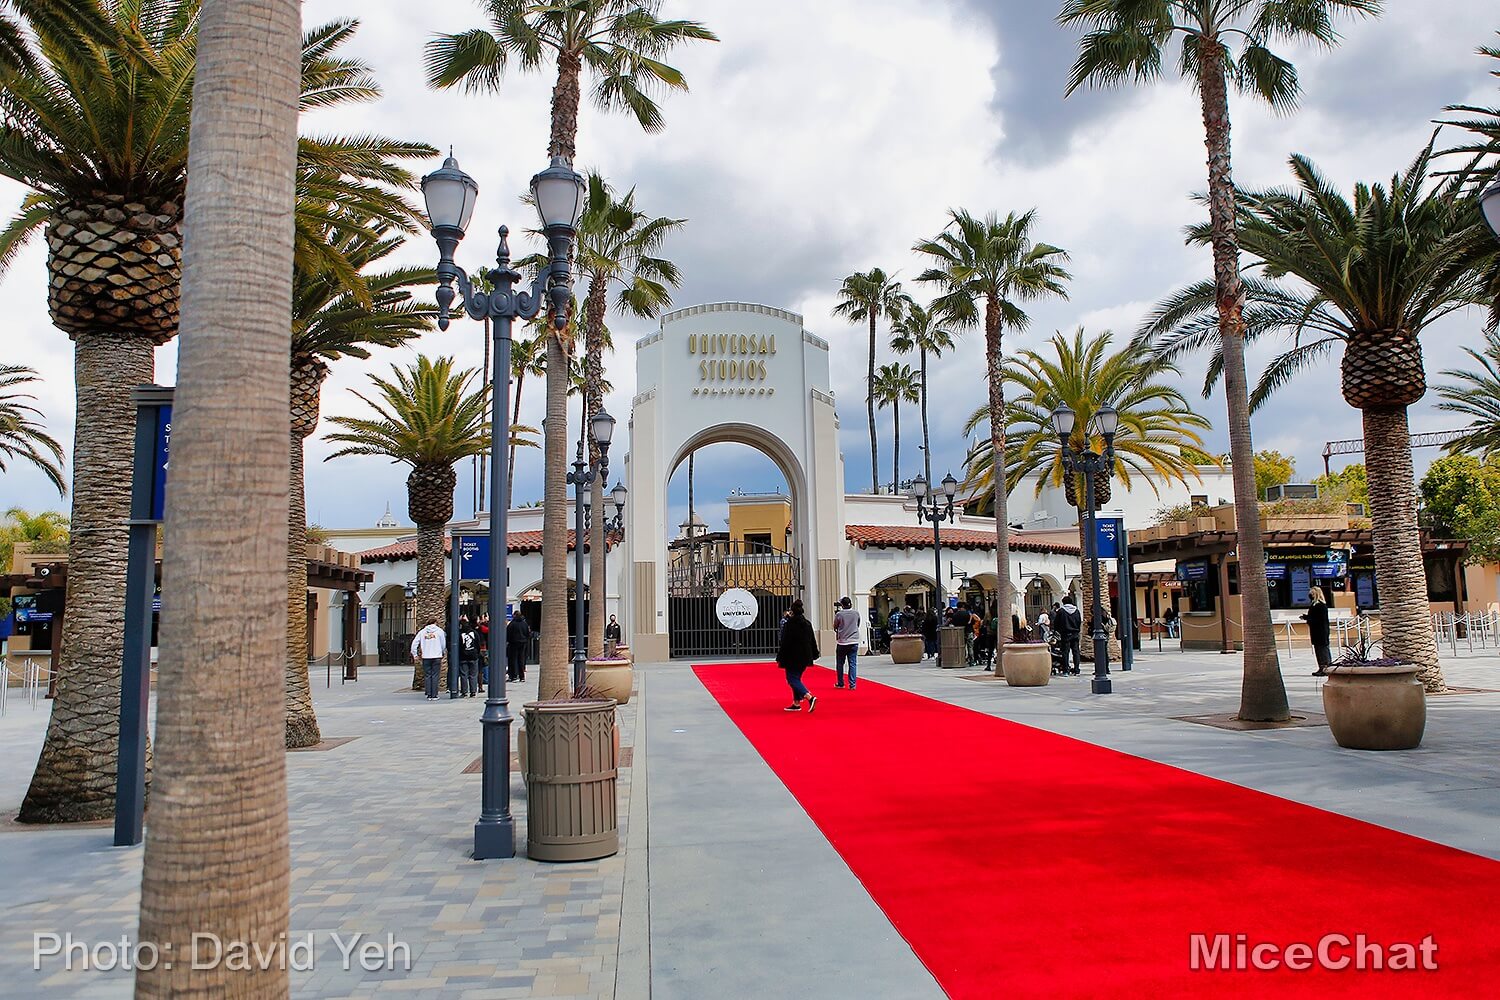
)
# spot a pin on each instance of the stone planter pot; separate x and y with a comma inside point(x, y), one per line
point(570, 761)
point(1027, 664)
point(906, 649)
point(611, 678)
point(1375, 707)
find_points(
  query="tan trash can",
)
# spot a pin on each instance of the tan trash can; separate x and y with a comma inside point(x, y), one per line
point(951, 645)
point(572, 761)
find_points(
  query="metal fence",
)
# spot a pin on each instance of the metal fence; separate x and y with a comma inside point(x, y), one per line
point(32, 674)
point(1475, 629)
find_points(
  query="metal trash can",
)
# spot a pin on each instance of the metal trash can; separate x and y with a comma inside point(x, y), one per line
point(572, 762)
point(951, 646)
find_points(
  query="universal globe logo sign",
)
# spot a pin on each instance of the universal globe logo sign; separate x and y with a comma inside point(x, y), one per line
point(737, 609)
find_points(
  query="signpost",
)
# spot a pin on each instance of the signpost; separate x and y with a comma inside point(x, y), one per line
point(148, 492)
point(1113, 543)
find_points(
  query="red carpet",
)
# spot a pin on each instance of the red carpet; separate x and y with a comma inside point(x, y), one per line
point(1019, 862)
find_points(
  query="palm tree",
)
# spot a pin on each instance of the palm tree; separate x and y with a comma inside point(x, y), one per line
point(995, 261)
point(221, 802)
point(863, 298)
point(621, 43)
point(427, 418)
point(330, 320)
point(99, 133)
point(527, 357)
point(1483, 167)
point(1126, 40)
point(44, 531)
point(1476, 395)
point(618, 245)
point(1368, 275)
point(922, 329)
point(21, 436)
point(896, 384)
point(1158, 435)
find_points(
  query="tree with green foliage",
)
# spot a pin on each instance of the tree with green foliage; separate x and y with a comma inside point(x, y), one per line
point(925, 330)
point(1272, 468)
point(895, 384)
point(1127, 41)
point(1461, 498)
point(21, 434)
point(870, 296)
point(1350, 484)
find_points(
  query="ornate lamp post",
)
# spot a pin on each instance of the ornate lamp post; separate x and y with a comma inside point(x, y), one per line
point(936, 509)
point(1090, 463)
point(1489, 201)
point(602, 428)
point(558, 192)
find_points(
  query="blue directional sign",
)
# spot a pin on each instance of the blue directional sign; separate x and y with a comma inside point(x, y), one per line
point(1109, 532)
point(473, 557)
point(159, 473)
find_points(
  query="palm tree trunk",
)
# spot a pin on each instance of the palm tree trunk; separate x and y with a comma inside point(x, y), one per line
point(565, 96)
point(432, 604)
point(896, 446)
point(75, 774)
point(219, 815)
point(1262, 692)
point(1405, 615)
point(301, 719)
point(926, 445)
point(510, 470)
point(556, 671)
point(994, 345)
point(595, 307)
point(870, 408)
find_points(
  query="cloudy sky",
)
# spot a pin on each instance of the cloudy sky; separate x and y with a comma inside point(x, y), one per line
point(824, 138)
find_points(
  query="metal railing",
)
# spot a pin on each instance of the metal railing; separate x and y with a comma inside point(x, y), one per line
point(33, 674)
point(1475, 628)
point(343, 659)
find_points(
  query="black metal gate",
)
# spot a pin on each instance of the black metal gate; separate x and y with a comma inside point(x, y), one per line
point(697, 576)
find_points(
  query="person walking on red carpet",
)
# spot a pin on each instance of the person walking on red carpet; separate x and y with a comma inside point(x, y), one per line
point(846, 632)
point(796, 652)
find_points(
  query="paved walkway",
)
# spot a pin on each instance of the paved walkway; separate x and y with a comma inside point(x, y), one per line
point(725, 888)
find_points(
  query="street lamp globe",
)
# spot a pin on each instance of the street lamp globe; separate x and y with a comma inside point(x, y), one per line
point(1063, 419)
point(450, 195)
point(919, 487)
point(1107, 421)
point(558, 192)
point(618, 496)
point(950, 486)
point(1489, 201)
point(603, 428)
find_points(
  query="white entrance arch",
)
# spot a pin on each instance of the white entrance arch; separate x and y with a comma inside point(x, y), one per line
point(749, 374)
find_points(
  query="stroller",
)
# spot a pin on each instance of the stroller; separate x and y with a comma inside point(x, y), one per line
point(1059, 661)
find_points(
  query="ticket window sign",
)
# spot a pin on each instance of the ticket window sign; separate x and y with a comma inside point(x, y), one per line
point(1108, 532)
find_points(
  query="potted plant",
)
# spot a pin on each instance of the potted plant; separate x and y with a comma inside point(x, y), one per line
point(1374, 703)
point(1027, 661)
point(570, 758)
point(611, 676)
point(906, 644)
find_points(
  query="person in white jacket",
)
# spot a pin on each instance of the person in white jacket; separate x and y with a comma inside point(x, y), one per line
point(428, 645)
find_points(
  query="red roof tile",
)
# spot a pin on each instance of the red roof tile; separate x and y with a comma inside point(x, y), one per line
point(902, 536)
point(521, 543)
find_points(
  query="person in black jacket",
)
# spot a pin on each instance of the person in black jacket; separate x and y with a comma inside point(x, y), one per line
point(795, 653)
point(1317, 629)
point(517, 641)
point(1068, 622)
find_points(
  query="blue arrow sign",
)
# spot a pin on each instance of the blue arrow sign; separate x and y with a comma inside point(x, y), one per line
point(473, 557)
point(1109, 530)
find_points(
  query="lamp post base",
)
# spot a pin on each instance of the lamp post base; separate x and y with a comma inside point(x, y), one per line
point(1100, 685)
point(494, 839)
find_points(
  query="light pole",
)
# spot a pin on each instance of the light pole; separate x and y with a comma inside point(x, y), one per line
point(612, 524)
point(1489, 201)
point(931, 507)
point(602, 427)
point(1088, 462)
point(450, 195)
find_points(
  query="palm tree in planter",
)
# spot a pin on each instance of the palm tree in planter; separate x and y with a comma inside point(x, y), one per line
point(21, 436)
point(1127, 41)
point(867, 297)
point(331, 320)
point(97, 129)
point(618, 246)
point(1157, 441)
point(621, 44)
point(1368, 274)
point(996, 262)
point(425, 417)
point(925, 330)
point(895, 384)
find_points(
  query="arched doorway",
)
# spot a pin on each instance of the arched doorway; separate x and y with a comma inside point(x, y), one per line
point(395, 611)
point(734, 529)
